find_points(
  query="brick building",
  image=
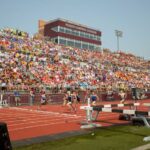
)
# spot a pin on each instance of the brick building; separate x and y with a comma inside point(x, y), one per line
point(69, 33)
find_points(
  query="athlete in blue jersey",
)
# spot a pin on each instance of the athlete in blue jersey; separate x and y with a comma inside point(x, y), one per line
point(94, 98)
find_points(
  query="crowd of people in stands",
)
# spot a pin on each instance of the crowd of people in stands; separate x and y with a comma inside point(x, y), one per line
point(29, 62)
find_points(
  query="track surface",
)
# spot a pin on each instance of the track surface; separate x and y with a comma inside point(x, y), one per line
point(27, 122)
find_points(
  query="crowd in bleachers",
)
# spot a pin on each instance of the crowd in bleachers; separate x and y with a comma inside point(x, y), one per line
point(28, 62)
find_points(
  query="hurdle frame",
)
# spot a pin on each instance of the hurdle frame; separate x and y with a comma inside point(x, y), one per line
point(88, 123)
point(109, 108)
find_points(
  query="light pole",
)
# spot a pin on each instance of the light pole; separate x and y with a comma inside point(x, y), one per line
point(118, 34)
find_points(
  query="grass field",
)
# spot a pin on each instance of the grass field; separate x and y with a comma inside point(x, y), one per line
point(110, 138)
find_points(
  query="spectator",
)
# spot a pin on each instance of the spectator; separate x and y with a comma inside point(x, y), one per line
point(17, 97)
point(26, 61)
point(32, 96)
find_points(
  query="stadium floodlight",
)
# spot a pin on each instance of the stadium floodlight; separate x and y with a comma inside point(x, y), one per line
point(118, 34)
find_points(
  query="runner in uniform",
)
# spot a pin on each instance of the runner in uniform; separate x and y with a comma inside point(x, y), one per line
point(43, 100)
point(93, 98)
point(76, 99)
point(122, 92)
point(65, 99)
point(70, 100)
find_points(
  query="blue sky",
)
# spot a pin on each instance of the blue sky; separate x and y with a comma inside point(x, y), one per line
point(130, 16)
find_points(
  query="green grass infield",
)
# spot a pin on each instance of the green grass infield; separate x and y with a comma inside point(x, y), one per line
point(110, 138)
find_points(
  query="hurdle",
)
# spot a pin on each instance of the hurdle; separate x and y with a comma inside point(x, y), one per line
point(123, 111)
point(88, 123)
point(118, 105)
point(139, 115)
point(147, 105)
point(98, 108)
point(89, 109)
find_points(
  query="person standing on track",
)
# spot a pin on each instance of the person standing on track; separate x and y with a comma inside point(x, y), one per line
point(122, 95)
point(122, 92)
point(32, 96)
point(17, 97)
point(43, 100)
point(70, 101)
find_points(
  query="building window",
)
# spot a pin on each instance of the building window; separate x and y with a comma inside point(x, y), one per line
point(91, 36)
point(77, 44)
point(61, 29)
point(70, 43)
point(55, 29)
point(96, 47)
point(62, 41)
point(87, 35)
point(98, 38)
point(84, 45)
point(68, 31)
point(82, 34)
point(91, 46)
point(76, 33)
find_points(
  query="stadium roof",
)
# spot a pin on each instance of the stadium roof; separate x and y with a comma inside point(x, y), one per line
point(72, 22)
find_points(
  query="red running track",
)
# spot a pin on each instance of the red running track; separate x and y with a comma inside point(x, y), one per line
point(27, 122)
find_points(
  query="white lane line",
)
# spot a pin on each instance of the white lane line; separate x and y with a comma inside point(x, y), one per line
point(34, 116)
point(27, 122)
point(41, 112)
point(24, 115)
point(23, 122)
point(43, 125)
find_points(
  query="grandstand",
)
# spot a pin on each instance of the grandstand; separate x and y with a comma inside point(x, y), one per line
point(27, 63)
